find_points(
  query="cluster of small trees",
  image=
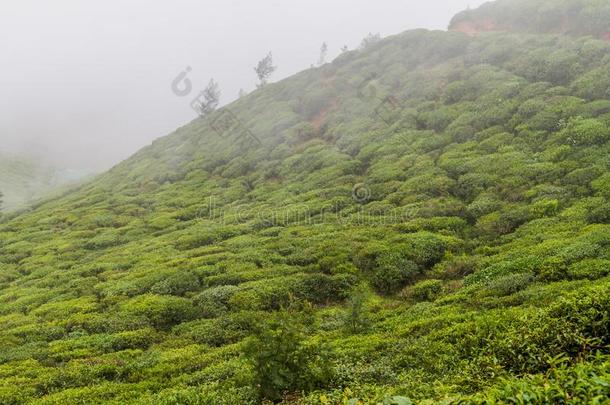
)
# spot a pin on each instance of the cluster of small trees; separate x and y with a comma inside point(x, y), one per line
point(210, 97)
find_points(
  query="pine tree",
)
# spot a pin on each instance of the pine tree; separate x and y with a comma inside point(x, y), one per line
point(265, 69)
point(208, 99)
point(370, 40)
point(323, 53)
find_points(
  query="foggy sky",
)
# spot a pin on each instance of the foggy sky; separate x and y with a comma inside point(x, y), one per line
point(85, 84)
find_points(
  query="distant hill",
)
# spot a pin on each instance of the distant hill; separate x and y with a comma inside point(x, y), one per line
point(23, 180)
point(424, 220)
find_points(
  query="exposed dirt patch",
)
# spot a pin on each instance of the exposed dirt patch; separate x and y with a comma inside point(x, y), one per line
point(319, 119)
point(472, 28)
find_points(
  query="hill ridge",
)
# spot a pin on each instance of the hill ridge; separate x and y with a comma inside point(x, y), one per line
point(573, 17)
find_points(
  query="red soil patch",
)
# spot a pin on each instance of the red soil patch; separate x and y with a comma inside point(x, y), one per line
point(467, 28)
point(472, 28)
point(318, 121)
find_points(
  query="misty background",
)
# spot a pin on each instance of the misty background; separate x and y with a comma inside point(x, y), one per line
point(86, 84)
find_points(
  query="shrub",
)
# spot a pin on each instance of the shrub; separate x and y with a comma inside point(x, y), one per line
point(599, 215)
point(591, 269)
point(321, 289)
point(524, 264)
point(552, 269)
point(389, 270)
point(137, 339)
point(544, 208)
point(214, 301)
point(162, 311)
point(602, 185)
point(586, 131)
point(366, 258)
point(509, 284)
point(177, 284)
point(574, 327)
point(425, 249)
point(427, 290)
point(456, 268)
point(563, 383)
point(193, 241)
point(356, 318)
point(393, 271)
point(502, 223)
point(225, 330)
point(104, 240)
point(284, 361)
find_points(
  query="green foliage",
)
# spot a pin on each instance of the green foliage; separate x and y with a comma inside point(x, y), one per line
point(468, 173)
point(563, 383)
point(214, 301)
point(509, 284)
point(602, 185)
point(161, 311)
point(591, 269)
point(357, 317)
point(581, 131)
point(284, 361)
point(393, 270)
point(427, 290)
point(178, 284)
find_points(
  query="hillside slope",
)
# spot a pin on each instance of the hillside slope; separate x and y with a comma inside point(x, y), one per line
point(426, 218)
point(573, 17)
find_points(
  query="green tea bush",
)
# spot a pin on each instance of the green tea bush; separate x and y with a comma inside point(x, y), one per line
point(427, 290)
point(586, 131)
point(456, 268)
point(323, 289)
point(591, 269)
point(425, 249)
point(393, 271)
point(162, 311)
point(602, 185)
point(103, 241)
point(563, 383)
point(178, 284)
point(509, 284)
point(215, 301)
point(599, 215)
point(225, 330)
